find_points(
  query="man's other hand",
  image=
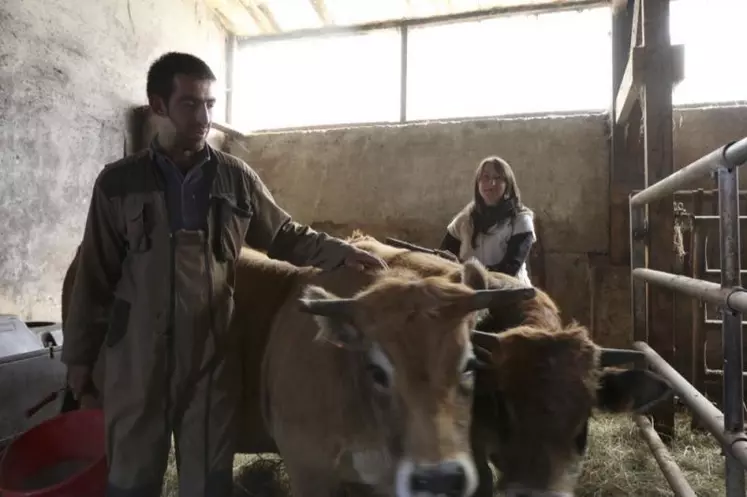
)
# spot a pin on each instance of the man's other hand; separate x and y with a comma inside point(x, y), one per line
point(80, 379)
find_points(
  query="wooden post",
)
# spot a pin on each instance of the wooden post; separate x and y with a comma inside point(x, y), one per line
point(659, 162)
point(626, 173)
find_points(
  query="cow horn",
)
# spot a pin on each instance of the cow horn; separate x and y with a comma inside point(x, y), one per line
point(614, 357)
point(483, 299)
point(327, 307)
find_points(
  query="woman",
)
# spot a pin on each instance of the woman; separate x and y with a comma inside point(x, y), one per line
point(495, 228)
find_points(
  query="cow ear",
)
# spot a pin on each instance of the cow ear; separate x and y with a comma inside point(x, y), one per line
point(474, 275)
point(628, 390)
point(333, 316)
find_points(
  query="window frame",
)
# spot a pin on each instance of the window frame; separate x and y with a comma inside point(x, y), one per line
point(236, 43)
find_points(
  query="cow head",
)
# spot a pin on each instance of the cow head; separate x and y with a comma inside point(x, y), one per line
point(543, 386)
point(408, 339)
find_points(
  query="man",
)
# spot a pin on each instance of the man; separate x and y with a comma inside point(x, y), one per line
point(164, 230)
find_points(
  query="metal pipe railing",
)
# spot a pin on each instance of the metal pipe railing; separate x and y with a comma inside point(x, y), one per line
point(734, 298)
point(730, 155)
point(667, 464)
point(731, 326)
point(733, 442)
point(728, 427)
point(704, 218)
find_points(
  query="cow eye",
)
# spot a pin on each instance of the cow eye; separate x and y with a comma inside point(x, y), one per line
point(378, 375)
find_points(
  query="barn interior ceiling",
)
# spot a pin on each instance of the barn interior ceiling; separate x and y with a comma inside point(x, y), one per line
point(248, 18)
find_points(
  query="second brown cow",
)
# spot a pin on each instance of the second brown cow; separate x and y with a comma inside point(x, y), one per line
point(531, 414)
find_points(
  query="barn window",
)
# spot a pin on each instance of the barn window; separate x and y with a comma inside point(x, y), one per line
point(340, 79)
point(713, 34)
point(520, 64)
point(511, 65)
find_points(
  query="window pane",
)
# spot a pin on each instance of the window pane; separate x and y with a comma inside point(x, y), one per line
point(713, 34)
point(321, 80)
point(520, 64)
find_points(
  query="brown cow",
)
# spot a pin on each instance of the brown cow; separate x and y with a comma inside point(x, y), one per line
point(370, 380)
point(538, 311)
point(545, 381)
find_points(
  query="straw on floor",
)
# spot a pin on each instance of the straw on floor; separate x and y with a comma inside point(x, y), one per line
point(618, 464)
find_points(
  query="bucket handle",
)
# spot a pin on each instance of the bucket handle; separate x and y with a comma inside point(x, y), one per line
point(42, 403)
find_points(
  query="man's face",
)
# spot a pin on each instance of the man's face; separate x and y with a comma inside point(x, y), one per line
point(189, 110)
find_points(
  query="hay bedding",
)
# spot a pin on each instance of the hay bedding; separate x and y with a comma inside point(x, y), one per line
point(618, 464)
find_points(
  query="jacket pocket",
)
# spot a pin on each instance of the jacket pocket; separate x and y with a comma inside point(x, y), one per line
point(231, 222)
point(138, 226)
point(119, 320)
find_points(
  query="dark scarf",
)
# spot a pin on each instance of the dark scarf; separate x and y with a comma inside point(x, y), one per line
point(485, 217)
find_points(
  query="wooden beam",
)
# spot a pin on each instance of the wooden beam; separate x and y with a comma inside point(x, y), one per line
point(262, 16)
point(630, 87)
point(629, 90)
point(626, 151)
point(234, 16)
point(228, 129)
point(677, 61)
point(659, 163)
point(626, 84)
point(320, 7)
point(636, 36)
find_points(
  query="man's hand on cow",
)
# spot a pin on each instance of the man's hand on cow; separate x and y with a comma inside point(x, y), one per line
point(360, 259)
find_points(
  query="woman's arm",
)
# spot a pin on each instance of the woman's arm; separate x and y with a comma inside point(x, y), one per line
point(517, 252)
point(450, 243)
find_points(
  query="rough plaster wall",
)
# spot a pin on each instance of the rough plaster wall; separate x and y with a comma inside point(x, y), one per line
point(415, 178)
point(69, 72)
point(699, 131)
point(407, 181)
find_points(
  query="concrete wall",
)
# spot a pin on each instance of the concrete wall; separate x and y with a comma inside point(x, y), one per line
point(69, 72)
point(408, 181)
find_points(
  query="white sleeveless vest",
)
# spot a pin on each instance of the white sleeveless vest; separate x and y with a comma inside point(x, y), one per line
point(491, 246)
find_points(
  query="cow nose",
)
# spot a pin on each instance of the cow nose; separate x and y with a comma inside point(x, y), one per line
point(447, 478)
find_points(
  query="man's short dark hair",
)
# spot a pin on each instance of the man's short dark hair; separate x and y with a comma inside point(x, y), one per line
point(162, 72)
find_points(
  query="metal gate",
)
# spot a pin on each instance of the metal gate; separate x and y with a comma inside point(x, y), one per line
point(727, 427)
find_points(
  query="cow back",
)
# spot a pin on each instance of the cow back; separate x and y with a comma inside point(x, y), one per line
point(540, 311)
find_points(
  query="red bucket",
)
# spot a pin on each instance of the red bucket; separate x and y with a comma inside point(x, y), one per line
point(61, 457)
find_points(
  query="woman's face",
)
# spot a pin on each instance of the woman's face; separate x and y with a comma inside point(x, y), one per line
point(491, 185)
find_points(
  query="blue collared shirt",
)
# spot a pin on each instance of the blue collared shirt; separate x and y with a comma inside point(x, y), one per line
point(187, 193)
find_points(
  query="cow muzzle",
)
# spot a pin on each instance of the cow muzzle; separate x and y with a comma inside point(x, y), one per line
point(448, 478)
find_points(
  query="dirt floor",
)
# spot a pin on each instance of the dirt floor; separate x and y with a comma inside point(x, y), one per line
point(618, 464)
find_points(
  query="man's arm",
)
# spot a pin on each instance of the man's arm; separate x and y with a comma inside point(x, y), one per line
point(274, 230)
point(99, 269)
